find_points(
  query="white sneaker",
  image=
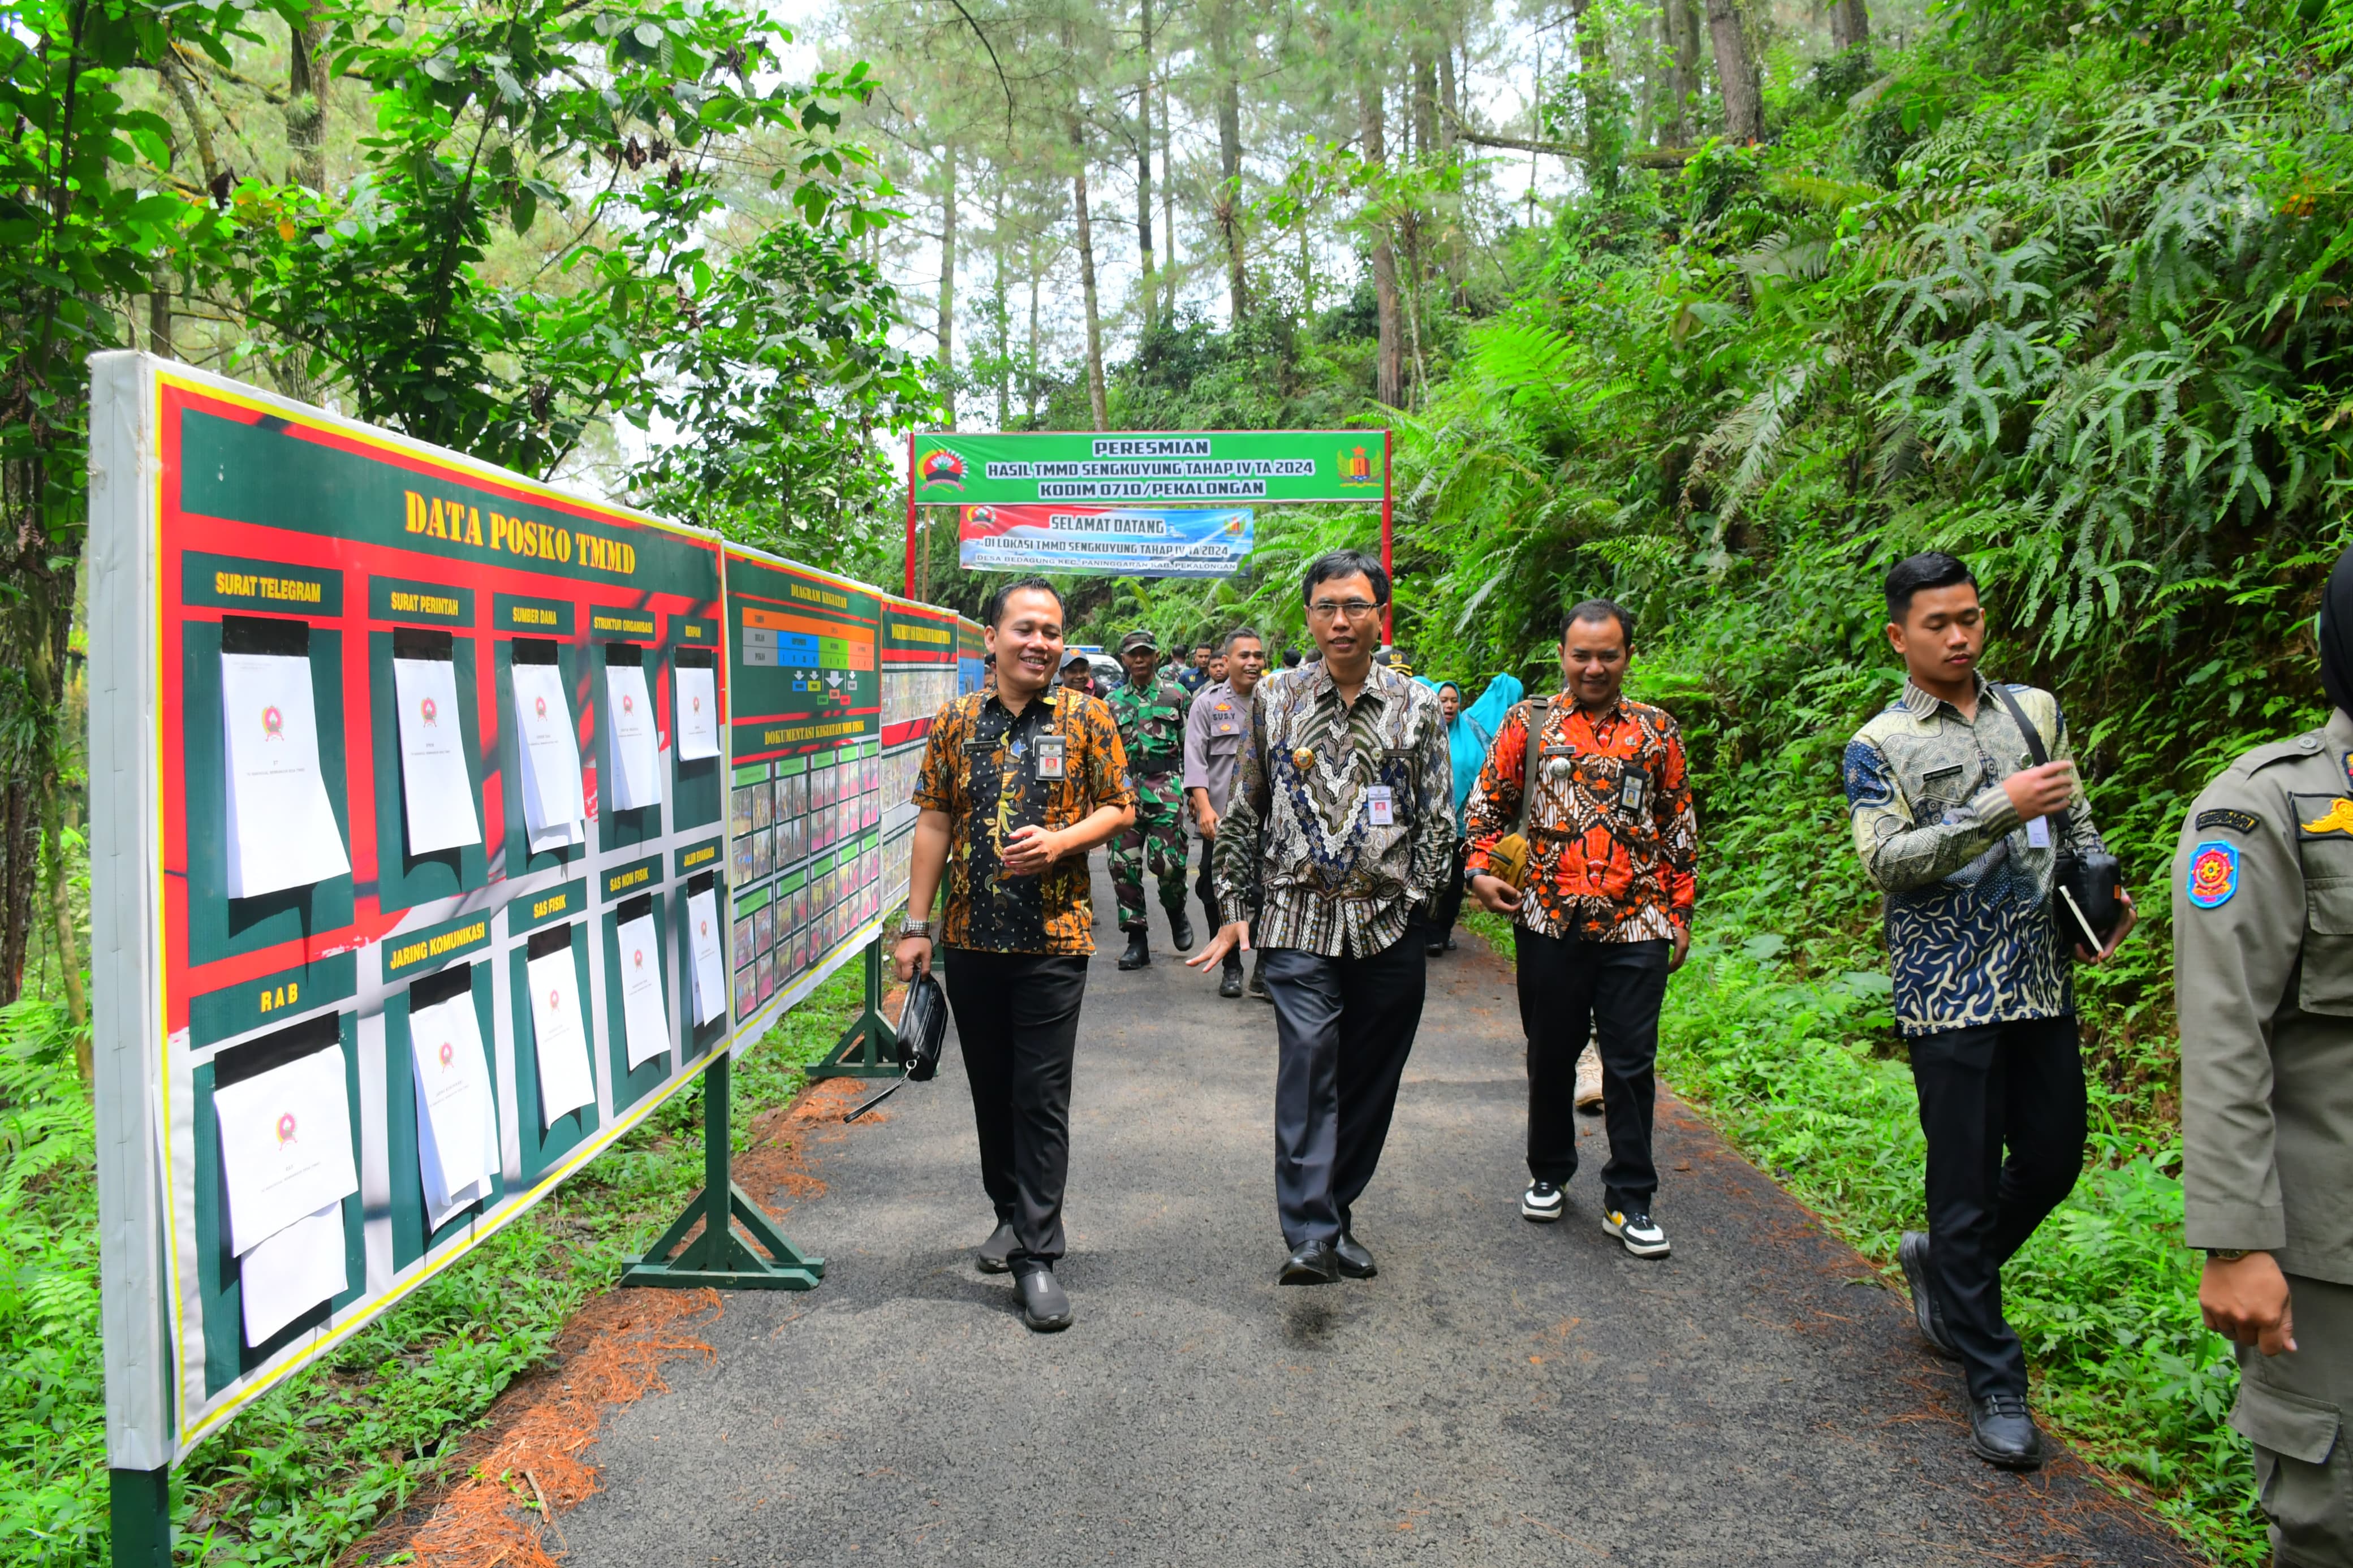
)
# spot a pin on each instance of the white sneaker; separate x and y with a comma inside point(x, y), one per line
point(1542, 1203)
point(1640, 1233)
point(1588, 1079)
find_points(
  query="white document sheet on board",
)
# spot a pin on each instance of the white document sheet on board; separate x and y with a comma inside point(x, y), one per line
point(292, 1272)
point(695, 726)
point(281, 827)
point(433, 780)
point(643, 1017)
point(636, 768)
point(554, 808)
point(285, 1145)
point(710, 968)
point(559, 1040)
point(454, 1101)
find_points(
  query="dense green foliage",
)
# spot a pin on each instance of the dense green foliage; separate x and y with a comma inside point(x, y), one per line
point(326, 1457)
point(2062, 290)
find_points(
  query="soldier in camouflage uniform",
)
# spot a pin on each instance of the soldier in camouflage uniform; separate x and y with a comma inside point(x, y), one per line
point(1151, 714)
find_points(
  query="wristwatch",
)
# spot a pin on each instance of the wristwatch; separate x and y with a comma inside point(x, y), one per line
point(915, 928)
point(2226, 1254)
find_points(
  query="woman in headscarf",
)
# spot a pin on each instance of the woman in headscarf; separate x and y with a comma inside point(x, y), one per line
point(1466, 742)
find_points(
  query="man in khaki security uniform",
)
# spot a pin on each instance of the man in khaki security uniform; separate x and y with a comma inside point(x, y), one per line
point(2263, 947)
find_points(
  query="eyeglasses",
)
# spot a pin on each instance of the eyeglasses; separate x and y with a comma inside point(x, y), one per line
point(1332, 609)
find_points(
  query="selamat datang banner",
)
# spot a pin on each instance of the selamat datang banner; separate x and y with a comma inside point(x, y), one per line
point(1120, 541)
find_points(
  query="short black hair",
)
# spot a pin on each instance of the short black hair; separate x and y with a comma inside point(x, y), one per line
point(1599, 610)
point(1929, 569)
point(1291, 658)
point(1236, 634)
point(1205, 646)
point(993, 614)
point(1337, 564)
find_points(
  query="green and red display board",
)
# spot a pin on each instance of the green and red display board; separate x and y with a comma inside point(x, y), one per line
point(228, 524)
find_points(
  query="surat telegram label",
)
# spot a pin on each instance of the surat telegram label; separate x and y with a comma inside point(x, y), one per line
point(1125, 541)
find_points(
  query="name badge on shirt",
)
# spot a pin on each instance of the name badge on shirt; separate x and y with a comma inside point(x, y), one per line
point(1049, 756)
point(1380, 806)
point(2038, 833)
point(1633, 788)
point(1222, 720)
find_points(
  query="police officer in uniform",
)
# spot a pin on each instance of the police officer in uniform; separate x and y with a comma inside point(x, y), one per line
point(1151, 715)
point(2263, 952)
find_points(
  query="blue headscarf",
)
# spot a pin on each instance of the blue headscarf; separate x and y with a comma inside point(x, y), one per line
point(1466, 739)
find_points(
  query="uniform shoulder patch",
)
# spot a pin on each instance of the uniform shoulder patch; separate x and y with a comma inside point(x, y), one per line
point(2213, 874)
point(2236, 821)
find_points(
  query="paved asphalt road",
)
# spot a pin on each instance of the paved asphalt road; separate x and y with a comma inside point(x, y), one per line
point(1503, 1394)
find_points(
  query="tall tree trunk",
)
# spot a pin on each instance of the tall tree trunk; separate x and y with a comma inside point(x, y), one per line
point(1424, 73)
point(1389, 377)
point(1736, 72)
point(1030, 366)
point(159, 313)
point(1004, 320)
point(1098, 395)
point(1151, 288)
point(947, 291)
point(1597, 90)
point(1850, 26)
point(1679, 30)
point(307, 84)
point(1167, 208)
point(1228, 206)
point(1449, 97)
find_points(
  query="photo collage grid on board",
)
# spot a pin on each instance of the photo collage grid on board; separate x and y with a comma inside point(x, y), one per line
point(805, 806)
point(921, 674)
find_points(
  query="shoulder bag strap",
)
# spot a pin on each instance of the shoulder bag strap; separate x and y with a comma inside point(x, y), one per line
point(1538, 708)
point(2034, 747)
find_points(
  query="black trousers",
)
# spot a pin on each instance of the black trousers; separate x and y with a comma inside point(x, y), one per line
point(1017, 1018)
point(1344, 1027)
point(2015, 1087)
point(1571, 990)
point(1447, 907)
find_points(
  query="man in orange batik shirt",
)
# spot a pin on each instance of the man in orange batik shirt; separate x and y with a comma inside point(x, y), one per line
point(1605, 911)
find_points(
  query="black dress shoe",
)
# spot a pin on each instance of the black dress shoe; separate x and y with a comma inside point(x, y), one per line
point(1310, 1263)
point(1044, 1307)
point(1180, 932)
point(1912, 1252)
point(1257, 981)
point(1432, 949)
point(1230, 984)
point(2003, 1434)
point(1138, 953)
point(1355, 1261)
point(995, 1254)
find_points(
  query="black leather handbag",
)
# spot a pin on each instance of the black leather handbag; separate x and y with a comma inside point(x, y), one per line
point(922, 1030)
point(2085, 881)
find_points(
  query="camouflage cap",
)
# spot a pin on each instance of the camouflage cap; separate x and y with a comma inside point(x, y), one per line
point(1136, 639)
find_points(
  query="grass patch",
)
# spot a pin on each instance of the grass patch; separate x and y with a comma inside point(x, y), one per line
point(321, 1459)
point(2105, 1296)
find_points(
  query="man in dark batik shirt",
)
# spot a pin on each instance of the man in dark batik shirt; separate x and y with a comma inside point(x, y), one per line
point(1016, 785)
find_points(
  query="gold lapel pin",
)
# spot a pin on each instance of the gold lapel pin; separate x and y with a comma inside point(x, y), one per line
point(1302, 759)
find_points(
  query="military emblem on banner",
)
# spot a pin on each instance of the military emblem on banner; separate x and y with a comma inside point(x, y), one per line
point(1356, 469)
point(940, 467)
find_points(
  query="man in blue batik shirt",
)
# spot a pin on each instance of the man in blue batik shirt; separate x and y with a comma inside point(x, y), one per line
point(1960, 827)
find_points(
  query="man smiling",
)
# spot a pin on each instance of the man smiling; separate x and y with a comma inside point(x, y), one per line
point(1337, 833)
point(1018, 784)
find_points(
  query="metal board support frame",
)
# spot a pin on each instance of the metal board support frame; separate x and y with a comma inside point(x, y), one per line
point(716, 1256)
point(870, 1047)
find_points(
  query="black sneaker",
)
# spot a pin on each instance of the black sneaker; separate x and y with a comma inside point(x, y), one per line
point(1139, 951)
point(2002, 1432)
point(1542, 1203)
point(1180, 932)
point(1640, 1233)
point(1258, 981)
point(1912, 1252)
point(995, 1254)
point(1044, 1306)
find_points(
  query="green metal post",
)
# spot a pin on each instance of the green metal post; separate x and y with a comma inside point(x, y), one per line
point(718, 1256)
point(139, 1505)
point(870, 1047)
